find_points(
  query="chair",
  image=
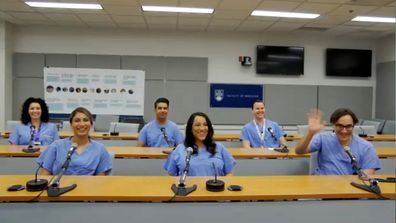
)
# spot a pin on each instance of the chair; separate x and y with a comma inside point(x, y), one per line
point(102, 122)
point(365, 129)
point(389, 127)
point(124, 127)
point(11, 125)
point(302, 129)
point(381, 126)
point(376, 124)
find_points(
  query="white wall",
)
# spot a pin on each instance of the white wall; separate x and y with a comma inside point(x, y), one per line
point(222, 49)
point(6, 50)
point(386, 49)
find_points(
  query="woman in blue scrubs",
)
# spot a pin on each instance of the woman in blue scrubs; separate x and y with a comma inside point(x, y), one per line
point(34, 128)
point(209, 158)
point(90, 157)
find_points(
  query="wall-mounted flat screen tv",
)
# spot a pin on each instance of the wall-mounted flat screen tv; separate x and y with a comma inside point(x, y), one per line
point(283, 60)
point(348, 62)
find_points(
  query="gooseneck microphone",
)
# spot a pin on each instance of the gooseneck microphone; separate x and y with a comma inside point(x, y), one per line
point(53, 189)
point(181, 188)
point(114, 133)
point(373, 186)
point(30, 148)
point(282, 148)
point(166, 138)
point(215, 185)
point(363, 134)
point(37, 184)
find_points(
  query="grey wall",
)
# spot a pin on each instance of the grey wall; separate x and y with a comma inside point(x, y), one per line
point(184, 80)
point(385, 91)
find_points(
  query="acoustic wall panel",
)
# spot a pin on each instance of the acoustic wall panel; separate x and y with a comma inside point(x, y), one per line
point(186, 68)
point(186, 97)
point(61, 60)
point(153, 89)
point(28, 65)
point(289, 104)
point(385, 91)
point(24, 88)
point(99, 61)
point(358, 99)
point(153, 66)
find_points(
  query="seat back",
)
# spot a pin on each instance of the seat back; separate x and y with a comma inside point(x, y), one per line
point(102, 122)
point(365, 129)
point(11, 125)
point(389, 127)
point(376, 124)
point(124, 127)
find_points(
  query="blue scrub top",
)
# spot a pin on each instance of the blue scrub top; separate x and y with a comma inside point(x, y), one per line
point(93, 160)
point(152, 136)
point(201, 164)
point(332, 160)
point(47, 134)
point(249, 133)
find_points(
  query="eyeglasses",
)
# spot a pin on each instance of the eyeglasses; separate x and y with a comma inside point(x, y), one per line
point(341, 127)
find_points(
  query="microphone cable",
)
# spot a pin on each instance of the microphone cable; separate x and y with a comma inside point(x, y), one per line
point(35, 198)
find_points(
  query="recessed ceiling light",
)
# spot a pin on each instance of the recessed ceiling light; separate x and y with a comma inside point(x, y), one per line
point(176, 9)
point(374, 19)
point(64, 5)
point(285, 14)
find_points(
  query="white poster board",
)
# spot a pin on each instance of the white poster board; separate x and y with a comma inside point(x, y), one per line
point(102, 91)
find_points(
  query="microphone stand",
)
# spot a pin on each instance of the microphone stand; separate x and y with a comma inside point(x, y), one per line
point(181, 189)
point(54, 190)
point(167, 142)
point(30, 148)
point(373, 186)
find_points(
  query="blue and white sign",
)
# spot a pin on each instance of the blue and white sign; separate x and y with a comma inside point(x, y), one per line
point(234, 95)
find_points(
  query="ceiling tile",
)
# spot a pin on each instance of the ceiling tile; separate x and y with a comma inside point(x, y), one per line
point(95, 18)
point(316, 8)
point(62, 17)
point(249, 5)
point(159, 2)
point(123, 10)
point(32, 16)
point(119, 2)
point(199, 3)
point(352, 10)
point(128, 19)
point(383, 11)
point(224, 22)
point(231, 14)
point(161, 20)
point(14, 6)
point(278, 5)
point(285, 26)
point(193, 21)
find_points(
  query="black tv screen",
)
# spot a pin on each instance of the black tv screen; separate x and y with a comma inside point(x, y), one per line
point(286, 60)
point(348, 63)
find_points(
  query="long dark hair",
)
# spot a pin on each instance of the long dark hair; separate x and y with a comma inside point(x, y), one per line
point(189, 141)
point(25, 117)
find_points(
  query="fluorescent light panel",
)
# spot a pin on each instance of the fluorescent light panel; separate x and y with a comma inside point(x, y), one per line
point(285, 14)
point(63, 5)
point(176, 9)
point(374, 19)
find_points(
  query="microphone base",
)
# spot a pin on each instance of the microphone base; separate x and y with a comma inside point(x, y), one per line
point(114, 133)
point(282, 150)
point(57, 191)
point(182, 190)
point(36, 185)
point(30, 149)
point(371, 189)
point(215, 185)
point(363, 135)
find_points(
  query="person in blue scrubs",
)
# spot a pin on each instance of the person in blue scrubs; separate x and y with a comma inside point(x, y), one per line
point(160, 132)
point(332, 146)
point(261, 132)
point(34, 128)
point(90, 157)
point(209, 158)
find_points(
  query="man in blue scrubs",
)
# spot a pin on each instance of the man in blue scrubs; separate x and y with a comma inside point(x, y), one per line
point(332, 147)
point(160, 132)
point(261, 132)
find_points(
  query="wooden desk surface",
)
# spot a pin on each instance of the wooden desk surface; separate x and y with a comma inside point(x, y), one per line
point(146, 152)
point(157, 188)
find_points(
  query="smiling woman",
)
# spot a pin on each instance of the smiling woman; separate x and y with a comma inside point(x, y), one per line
point(34, 127)
point(90, 157)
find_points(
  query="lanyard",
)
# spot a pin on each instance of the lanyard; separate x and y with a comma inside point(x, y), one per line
point(260, 133)
point(36, 134)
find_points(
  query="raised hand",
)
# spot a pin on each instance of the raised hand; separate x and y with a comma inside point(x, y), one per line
point(315, 121)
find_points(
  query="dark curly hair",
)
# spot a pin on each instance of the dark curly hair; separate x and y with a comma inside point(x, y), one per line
point(190, 139)
point(25, 117)
point(338, 113)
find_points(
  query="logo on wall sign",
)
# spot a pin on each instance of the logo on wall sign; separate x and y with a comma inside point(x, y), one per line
point(219, 94)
